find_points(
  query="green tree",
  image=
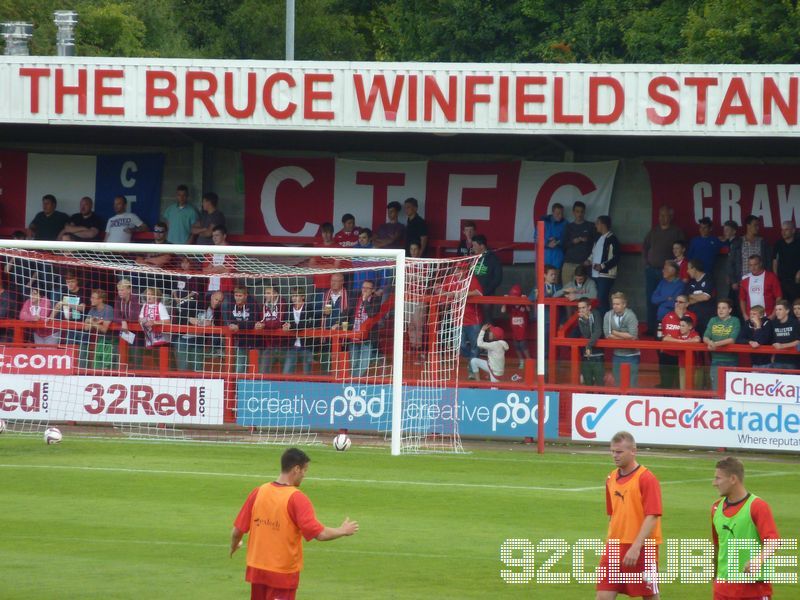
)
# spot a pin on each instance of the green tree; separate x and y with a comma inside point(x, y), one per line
point(742, 31)
point(110, 29)
point(256, 30)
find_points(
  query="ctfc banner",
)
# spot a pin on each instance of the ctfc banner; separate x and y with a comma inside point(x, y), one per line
point(294, 196)
point(727, 192)
point(26, 177)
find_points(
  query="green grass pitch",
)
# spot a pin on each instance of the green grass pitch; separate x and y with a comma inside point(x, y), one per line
point(107, 519)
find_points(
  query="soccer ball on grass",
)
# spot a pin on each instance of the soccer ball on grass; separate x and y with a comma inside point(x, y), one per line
point(341, 442)
point(52, 435)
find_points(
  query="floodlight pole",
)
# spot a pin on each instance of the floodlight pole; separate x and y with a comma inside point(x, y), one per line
point(541, 332)
point(289, 29)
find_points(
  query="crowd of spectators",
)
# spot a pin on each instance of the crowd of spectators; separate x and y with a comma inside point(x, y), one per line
point(583, 261)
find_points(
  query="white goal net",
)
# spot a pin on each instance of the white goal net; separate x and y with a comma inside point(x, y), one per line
point(231, 343)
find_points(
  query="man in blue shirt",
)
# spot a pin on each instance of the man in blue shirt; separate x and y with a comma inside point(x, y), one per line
point(705, 246)
point(180, 217)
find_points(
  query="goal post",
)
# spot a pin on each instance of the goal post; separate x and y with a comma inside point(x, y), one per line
point(233, 343)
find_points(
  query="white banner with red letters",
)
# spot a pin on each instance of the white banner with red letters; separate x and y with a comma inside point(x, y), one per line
point(700, 422)
point(724, 192)
point(583, 99)
point(294, 195)
point(776, 388)
point(112, 399)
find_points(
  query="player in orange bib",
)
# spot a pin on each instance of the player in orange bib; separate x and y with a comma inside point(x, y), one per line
point(633, 504)
point(278, 516)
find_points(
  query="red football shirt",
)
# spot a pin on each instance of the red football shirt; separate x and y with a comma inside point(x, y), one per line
point(301, 511)
point(347, 239)
point(472, 312)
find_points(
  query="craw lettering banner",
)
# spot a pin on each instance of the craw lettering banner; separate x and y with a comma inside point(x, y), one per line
point(294, 196)
point(727, 192)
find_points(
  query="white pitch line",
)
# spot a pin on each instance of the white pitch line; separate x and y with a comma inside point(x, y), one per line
point(531, 488)
point(338, 549)
point(325, 479)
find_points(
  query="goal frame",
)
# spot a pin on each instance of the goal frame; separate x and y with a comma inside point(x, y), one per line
point(396, 255)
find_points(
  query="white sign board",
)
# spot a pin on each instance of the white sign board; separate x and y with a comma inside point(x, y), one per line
point(686, 421)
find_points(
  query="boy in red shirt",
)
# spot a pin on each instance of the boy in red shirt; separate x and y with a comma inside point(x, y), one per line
point(520, 318)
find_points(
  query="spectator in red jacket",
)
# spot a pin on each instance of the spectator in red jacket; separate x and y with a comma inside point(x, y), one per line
point(761, 287)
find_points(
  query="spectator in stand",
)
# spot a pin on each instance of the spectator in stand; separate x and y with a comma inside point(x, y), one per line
point(686, 334)
point(152, 317)
point(8, 307)
point(157, 259)
point(300, 317)
point(669, 288)
point(700, 291)
point(219, 264)
point(758, 332)
point(123, 224)
point(98, 320)
point(192, 349)
point(391, 234)
point(210, 217)
point(362, 351)
point(796, 308)
point(336, 305)
point(741, 249)
point(759, 287)
point(785, 335)
point(465, 245)
point(519, 317)
point(85, 225)
point(180, 217)
point(590, 327)
point(580, 286)
point(679, 258)
point(49, 223)
point(722, 330)
point(471, 324)
point(551, 288)
point(730, 229)
point(489, 269)
point(656, 249)
point(554, 226)
point(671, 330)
point(490, 339)
point(126, 310)
point(381, 277)
point(240, 316)
point(786, 263)
point(705, 247)
point(605, 257)
point(417, 283)
point(347, 236)
point(579, 238)
point(322, 280)
point(72, 303)
point(36, 309)
point(273, 315)
point(620, 323)
point(416, 227)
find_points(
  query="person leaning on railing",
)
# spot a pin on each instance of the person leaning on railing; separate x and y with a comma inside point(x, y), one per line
point(722, 331)
point(590, 327)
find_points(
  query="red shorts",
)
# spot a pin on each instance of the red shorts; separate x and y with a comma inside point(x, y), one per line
point(648, 586)
point(718, 596)
point(259, 591)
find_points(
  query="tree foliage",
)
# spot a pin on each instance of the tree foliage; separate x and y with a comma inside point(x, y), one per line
point(590, 31)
